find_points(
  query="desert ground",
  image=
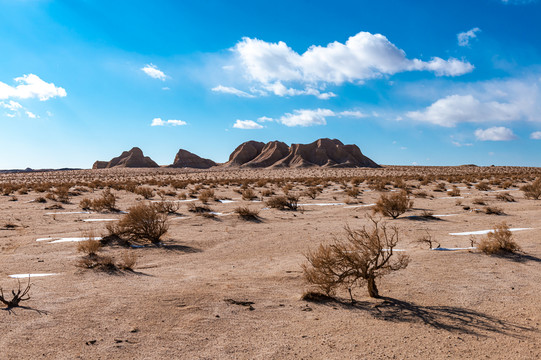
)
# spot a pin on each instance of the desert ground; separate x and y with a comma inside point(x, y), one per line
point(222, 287)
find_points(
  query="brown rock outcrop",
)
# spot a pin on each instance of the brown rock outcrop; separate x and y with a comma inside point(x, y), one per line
point(128, 159)
point(322, 153)
point(244, 153)
point(186, 159)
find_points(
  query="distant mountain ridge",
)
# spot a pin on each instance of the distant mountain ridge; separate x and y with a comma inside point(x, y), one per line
point(328, 153)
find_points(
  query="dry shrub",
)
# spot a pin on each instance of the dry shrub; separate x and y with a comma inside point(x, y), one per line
point(40, 199)
point(142, 223)
point(353, 192)
point(362, 257)
point(167, 207)
point(482, 186)
point(206, 195)
point(267, 192)
point(103, 263)
point(429, 240)
point(420, 194)
point(144, 191)
point(505, 196)
point(454, 192)
point(393, 205)
point(312, 192)
point(493, 210)
point(62, 194)
point(85, 204)
point(89, 247)
point(17, 296)
point(498, 242)
point(479, 201)
point(289, 202)
point(107, 201)
point(246, 213)
point(248, 194)
point(129, 259)
point(533, 190)
point(198, 209)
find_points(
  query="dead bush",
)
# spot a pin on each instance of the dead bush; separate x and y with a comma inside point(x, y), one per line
point(198, 209)
point(499, 241)
point(312, 192)
point(289, 202)
point(362, 257)
point(393, 205)
point(248, 194)
point(483, 186)
point(267, 192)
point(493, 210)
point(107, 201)
point(454, 192)
point(533, 190)
point(129, 259)
point(144, 191)
point(505, 196)
point(143, 222)
point(428, 240)
point(353, 192)
point(206, 195)
point(479, 201)
point(89, 247)
point(167, 207)
point(246, 213)
point(17, 296)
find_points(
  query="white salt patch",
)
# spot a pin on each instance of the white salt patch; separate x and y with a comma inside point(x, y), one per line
point(46, 239)
point(180, 218)
point(226, 201)
point(453, 249)
point(357, 206)
point(68, 212)
point(443, 215)
point(452, 197)
point(94, 220)
point(322, 204)
point(22, 276)
point(393, 249)
point(60, 240)
point(188, 200)
point(482, 232)
point(220, 214)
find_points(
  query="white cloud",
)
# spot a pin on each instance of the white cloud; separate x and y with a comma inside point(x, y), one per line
point(465, 37)
point(363, 56)
point(153, 71)
point(11, 105)
point(498, 133)
point(31, 86)
point(232, 90)
point(30, 115)
point(486, 102)
point(160, 122)
point(264, 119)
point(458, 144)
point(247, 125)
point(536, 135)
point(354, 114)
point(304, 117)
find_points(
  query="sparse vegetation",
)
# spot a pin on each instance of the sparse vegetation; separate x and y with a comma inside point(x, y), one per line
point(17, 296)
point(283, 202)
point(246, 213)
point(362, 257)
point(143, 222)
point(393, 205)
point(499, 241)
point(533, 190)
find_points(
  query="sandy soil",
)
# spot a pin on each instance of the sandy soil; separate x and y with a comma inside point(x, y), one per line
point(176, 302)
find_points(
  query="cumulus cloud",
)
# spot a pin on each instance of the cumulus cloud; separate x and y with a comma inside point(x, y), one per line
point(30, 114)
point(486, 102)
point(536, 135)
point(498, 133)
point(247, 125)
point(264, 119)
point(362, 56)
point(31, 86)
point(11, 105)
point(354, 114)
point(277, 69)
point(153, 71)
point(160, 122)
point(465, 37)
point(232, 90)
point(304, 117)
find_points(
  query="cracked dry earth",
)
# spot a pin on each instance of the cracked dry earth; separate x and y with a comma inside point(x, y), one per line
point(226, 288)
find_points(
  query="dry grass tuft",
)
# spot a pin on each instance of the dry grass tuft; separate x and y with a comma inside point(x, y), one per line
point(246, 213)
point(142, 223)
point(393, 205)
point(498, 242)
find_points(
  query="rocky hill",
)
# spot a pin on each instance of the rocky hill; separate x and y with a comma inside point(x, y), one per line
point(322, 153)
point(186, 159)
point(128, 159)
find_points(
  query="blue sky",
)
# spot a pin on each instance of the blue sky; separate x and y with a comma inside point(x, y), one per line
point(416, 82)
